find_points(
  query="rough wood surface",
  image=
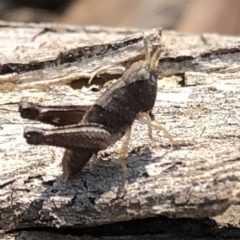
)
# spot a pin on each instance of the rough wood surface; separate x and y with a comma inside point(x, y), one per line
point(198, 102)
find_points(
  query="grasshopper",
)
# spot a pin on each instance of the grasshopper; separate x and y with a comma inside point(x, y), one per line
point(86, 130)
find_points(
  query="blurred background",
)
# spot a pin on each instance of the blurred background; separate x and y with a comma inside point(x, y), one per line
point(194, 16)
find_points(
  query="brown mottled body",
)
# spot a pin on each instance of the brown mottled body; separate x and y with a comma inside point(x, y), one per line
point(107, 121)
point(118, 107)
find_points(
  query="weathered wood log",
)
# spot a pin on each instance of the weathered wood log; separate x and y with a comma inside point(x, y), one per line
point(198, 102)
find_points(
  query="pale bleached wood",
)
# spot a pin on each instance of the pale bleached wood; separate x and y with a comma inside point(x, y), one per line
point(33, 43)
point(194, 181)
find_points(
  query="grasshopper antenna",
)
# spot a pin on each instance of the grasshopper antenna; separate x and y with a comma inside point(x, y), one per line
point(152, 58)
point(147, 52)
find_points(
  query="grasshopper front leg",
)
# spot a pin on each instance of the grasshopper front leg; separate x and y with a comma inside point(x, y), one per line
point(145, 118)
point(123, 153)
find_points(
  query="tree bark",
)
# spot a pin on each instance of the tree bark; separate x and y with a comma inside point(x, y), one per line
point(197, 101)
